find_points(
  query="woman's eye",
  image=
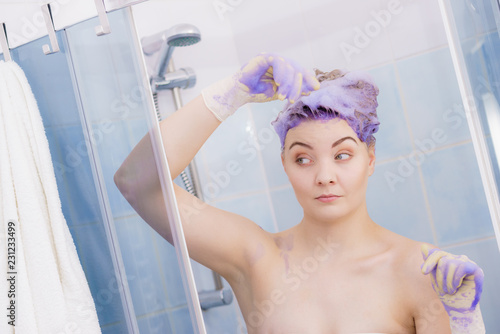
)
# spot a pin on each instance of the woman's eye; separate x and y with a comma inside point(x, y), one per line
point(343, 156)
point(302, 161)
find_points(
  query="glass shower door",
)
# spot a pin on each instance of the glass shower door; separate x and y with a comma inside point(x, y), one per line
point(96, 105)
point(118, 110)
point(472, 28)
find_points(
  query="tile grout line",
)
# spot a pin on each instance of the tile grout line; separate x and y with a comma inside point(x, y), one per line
point(428, 152)
point(470, 242)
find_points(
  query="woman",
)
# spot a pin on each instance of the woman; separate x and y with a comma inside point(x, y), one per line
point(336, 271)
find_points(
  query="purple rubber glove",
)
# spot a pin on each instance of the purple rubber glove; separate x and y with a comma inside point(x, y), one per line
point(266, 77)
point(458, 282)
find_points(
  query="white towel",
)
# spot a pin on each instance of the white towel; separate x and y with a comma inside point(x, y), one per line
point(51, 293)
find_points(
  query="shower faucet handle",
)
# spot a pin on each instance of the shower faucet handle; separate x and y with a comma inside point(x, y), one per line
point(215, 298)
point(181, 78)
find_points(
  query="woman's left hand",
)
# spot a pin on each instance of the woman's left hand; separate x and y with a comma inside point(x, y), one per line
point(457, 280)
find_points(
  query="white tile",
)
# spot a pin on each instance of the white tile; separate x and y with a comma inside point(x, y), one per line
point(418, 28)
point(116, 4)
point(69, 12)
point(24, 22)
point(345, 34)
point(279, 28)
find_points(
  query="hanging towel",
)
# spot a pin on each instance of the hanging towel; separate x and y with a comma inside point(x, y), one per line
point(52, 295)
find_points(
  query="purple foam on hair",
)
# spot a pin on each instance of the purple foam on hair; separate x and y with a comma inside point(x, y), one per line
point(351, 96)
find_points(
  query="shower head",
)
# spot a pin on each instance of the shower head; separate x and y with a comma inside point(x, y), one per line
point(183, 34)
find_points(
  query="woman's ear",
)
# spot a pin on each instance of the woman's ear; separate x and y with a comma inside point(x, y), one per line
point(371, 159)
point(283, 160)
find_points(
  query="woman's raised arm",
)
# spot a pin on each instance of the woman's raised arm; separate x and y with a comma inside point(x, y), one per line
point(211, 234)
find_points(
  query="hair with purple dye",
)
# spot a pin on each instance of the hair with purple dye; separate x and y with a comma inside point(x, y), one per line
point(351, 96)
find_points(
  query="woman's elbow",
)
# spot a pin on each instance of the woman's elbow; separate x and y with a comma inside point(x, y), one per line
point(124, 185)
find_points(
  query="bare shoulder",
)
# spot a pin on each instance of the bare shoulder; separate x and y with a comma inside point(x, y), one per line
point(424, 304)
point(408, 259)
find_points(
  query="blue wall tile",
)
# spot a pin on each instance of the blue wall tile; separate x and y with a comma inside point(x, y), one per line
point(232, 142)
point(456, 195)
point(221, 320)
point(170, 272)
point(96, 260)
point(155, 324)
point(111, 155)
point(286, 208)
point(181, 321)
point(119, 328)
point(59, 172)
point(138, 128)
point(432, 99)
point(395, 201)
point(147, 288)
point(254, 207)
point(269, 142)
point(78, 176)
point(392, 138)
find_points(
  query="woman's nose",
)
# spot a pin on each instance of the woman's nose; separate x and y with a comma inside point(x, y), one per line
point(326, 174)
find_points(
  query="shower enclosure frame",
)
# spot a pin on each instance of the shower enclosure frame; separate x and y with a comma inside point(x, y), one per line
point(472, 115)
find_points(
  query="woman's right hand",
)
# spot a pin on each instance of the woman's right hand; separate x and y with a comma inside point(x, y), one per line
point(457, 280)
point(266, 77)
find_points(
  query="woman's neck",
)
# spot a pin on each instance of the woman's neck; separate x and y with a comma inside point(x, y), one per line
point(353, 234)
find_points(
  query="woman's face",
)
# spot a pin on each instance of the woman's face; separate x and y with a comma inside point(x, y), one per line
point(326, 158)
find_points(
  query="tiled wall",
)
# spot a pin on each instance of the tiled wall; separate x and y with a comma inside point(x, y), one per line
point(426, 185)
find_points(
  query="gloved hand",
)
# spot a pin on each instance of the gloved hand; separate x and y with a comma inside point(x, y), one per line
point(457, 280)
point(266, 77)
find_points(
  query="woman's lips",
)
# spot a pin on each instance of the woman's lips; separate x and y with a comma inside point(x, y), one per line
point(327, 198)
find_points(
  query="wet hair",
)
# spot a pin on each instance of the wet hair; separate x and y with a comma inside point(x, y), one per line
point(351, 96)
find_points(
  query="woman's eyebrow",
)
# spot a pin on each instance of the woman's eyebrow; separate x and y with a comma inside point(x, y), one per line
point(338, 142)
point(301, 144)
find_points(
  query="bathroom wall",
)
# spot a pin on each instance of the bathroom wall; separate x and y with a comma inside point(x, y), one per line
point(426, 185)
